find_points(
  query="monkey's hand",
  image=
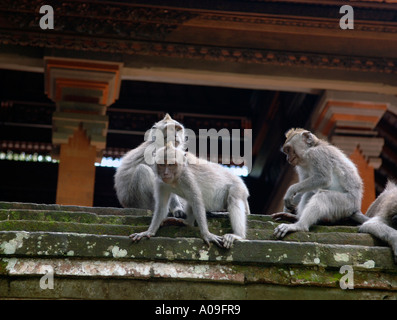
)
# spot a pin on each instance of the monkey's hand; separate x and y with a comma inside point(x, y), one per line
point(290, 199)
point(213, 238)
point(138, 236)
point(229, 238)
point(289, 204)
point(285, 216)
point(283, 229)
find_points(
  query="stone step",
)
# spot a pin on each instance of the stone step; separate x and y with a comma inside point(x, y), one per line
point(123, 222)
point(260, 232)
point(258, 252)
point(72, 216)
point(217, 220)
point(57, 207)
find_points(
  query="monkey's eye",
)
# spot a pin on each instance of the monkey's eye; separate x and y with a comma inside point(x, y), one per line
point(178, 128)
point(161, 165)
point(286, 150)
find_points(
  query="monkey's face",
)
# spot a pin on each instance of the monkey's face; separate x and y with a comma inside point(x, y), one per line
point(168, 172)
point(292, 157)
point(295, 148)
point(169, 163)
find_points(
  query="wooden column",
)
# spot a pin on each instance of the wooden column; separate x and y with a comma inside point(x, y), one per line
point(348, 120)
point(82, 90)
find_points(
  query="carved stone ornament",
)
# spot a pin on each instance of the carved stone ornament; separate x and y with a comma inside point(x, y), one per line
point(132, 29)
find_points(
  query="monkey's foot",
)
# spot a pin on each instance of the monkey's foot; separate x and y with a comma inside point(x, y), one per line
point(171, 221)
point(285, 216)
point(213, 238)
point(138, 236)
point(283, 229)
point(359, 217)
point(229, 238)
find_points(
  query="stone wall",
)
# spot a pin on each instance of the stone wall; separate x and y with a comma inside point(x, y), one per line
point(91, 257)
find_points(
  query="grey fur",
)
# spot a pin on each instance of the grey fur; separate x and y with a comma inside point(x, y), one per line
point(134, 178)
point(205, 187)
point(381, 213)
point(329, 186)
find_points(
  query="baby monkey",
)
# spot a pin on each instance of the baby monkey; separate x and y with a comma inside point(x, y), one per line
point(206, 186)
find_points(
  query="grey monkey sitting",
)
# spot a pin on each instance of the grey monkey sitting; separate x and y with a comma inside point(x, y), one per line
point(205, 186)
point(134, 178)
point(329, 187)
point(380, 215)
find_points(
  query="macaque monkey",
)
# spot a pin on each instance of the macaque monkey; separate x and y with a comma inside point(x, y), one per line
point(329, 187)
point(205, 186)
point(134, 178)
point(380, 214)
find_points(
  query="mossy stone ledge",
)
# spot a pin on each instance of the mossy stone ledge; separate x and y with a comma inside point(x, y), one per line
point(92, 257)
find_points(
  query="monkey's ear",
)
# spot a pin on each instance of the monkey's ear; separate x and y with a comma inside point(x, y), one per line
point(308, 138)
point(185, 158)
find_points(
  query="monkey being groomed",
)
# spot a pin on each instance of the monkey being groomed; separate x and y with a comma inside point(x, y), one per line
point(381, 214)
point(206, 186)
point(329, 187)
point(134, 178)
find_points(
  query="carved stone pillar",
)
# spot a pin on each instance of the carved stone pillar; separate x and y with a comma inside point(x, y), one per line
point(76, 174)
point(348, 120)
point(82, 90)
